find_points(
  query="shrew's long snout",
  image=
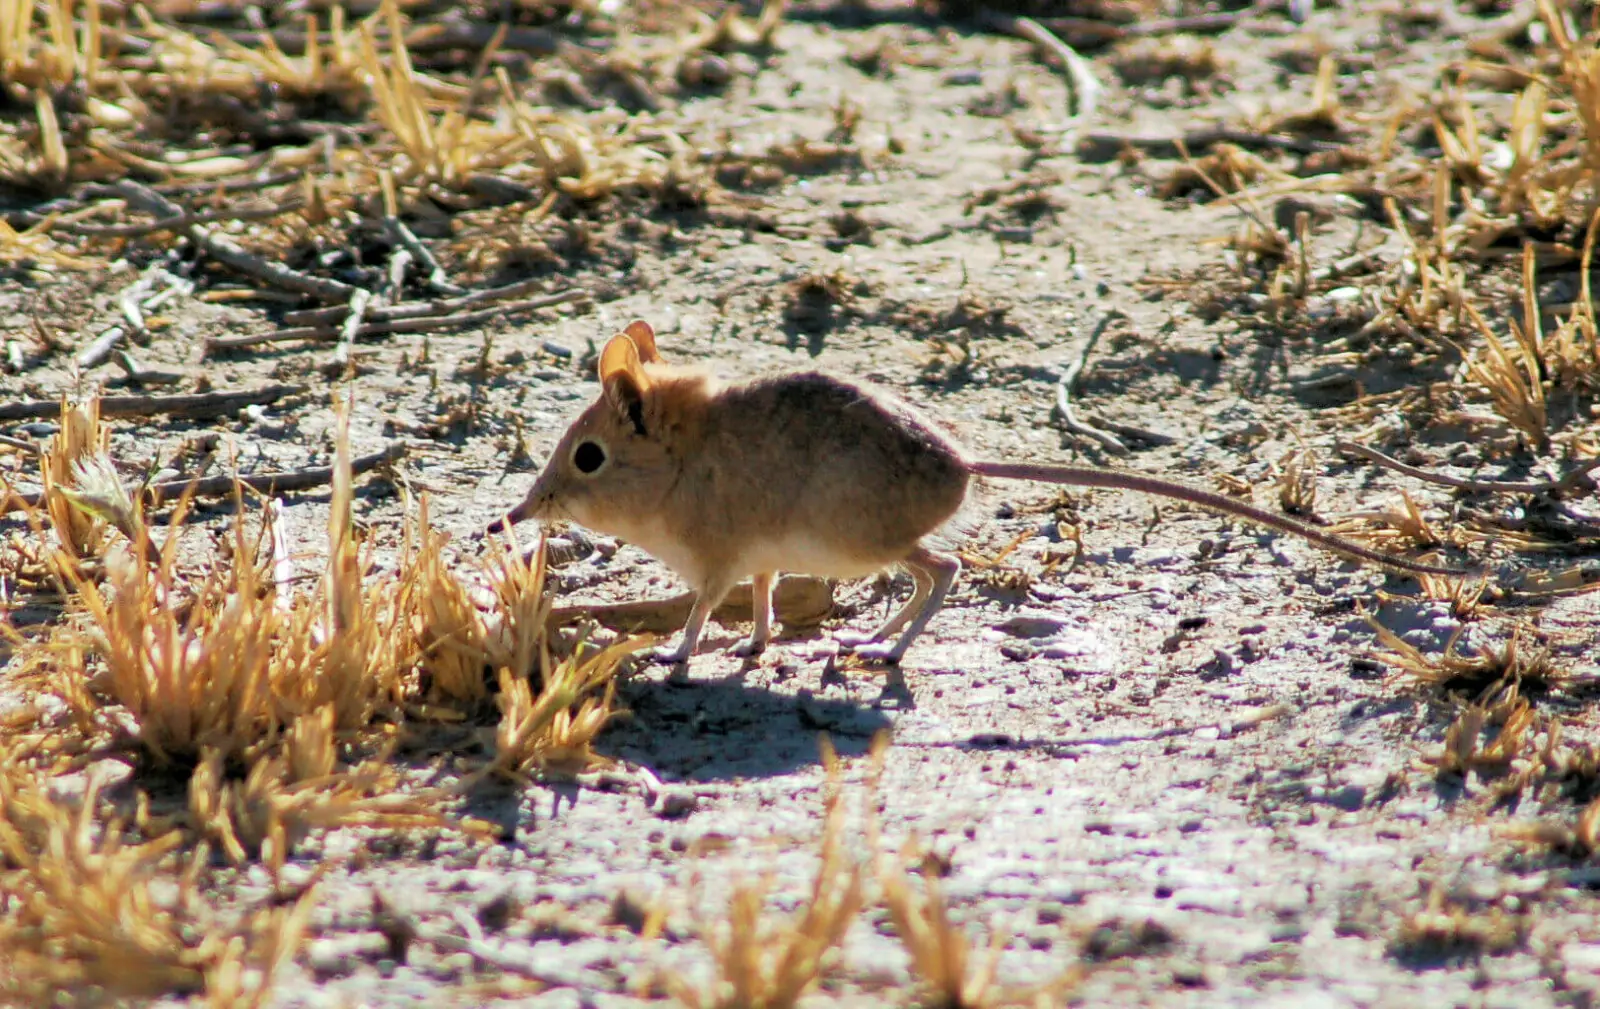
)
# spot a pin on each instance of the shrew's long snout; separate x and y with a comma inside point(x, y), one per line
point(529, 508)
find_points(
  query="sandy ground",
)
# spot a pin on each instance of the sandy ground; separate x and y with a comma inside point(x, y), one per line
point(1175, 759)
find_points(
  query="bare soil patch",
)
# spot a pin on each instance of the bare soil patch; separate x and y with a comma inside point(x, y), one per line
point(1331, 259)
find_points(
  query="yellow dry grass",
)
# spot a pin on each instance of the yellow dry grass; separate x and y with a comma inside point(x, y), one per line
point(554, 731)
point(77, 529)
point(281, 704)
point(763, 962)
point(92, 916)
point(431, 129)
point(769, 962)
point(948, 968)
point(1513, 662)
point(1519, 178)
point(218, 662)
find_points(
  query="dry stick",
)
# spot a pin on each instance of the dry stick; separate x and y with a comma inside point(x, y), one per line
point(226, 252)
point(22, 445)
point(1572, 479)
point(1069, 379)
point(487, 955)
point(222, 486)
point(1349, 264)
point(181, 221)
point(427, 38)
point(411, 310)
point(394, 278)
point(230, 185)
point(97, 352)
point(1091, 32)
point(437, 278)
point(348, 329)
point(138, 374)
point(273, 483)
point(1200, 139)
point(206, 404)
point(408, 325)
point(100, 350)
point(1085, 89)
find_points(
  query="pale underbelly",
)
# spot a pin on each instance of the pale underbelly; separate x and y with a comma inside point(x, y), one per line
point(798, 553)
point(808, 555)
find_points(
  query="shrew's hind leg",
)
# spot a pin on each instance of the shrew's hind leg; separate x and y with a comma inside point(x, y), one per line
point(940, 570)
point(922, 584)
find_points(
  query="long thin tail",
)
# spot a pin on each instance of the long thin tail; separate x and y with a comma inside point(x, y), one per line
point(1112, 479)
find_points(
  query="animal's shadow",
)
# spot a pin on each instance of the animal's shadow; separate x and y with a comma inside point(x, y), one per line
point(724, 729)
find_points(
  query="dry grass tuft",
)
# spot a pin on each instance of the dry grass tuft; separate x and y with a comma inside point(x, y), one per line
point(350, 648)
point(765, 964)
point(281, 702)
point(942, 956)
point(1449, 929)
point(221, 663)
point(94, 917)
point(448, 628)
point(1297, 483)
point(1486, 738)
point(554, 732)
point(1564, 774)
point(228, 670)
point(81, 439)
point(287, 795)
point(1514, 377)
point(464, 636)
point(1580, 840)
point(948, 970)
point(1514, 663)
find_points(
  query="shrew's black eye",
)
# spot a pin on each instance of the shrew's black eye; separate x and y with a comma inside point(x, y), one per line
point(588, 456)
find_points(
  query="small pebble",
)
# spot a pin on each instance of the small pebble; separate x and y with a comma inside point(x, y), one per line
point(676, 804)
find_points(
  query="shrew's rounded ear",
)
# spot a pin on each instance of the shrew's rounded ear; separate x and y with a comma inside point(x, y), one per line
point(623, 379)
point(644, 338)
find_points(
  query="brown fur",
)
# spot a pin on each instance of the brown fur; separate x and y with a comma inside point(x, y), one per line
point(802, 472)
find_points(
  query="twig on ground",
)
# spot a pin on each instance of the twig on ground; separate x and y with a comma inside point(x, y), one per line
point(99, 351)
point(22, 445)
point(225, 251)
point(1090, 32)
point(421, 324)
point(1346, 266)
point(1567, 482)
point(204, 404)
point(488, 956)
point(1084, 89)
point(443, 306)
point(131, 301)
point(222, 486)
point(229, 185)
point(1069, 380)
point(394, 277)
point(181, 221)
point(138, 374)
point(1108, 144)
point(272, 483)
point(437, 278)
point(1145, 435)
